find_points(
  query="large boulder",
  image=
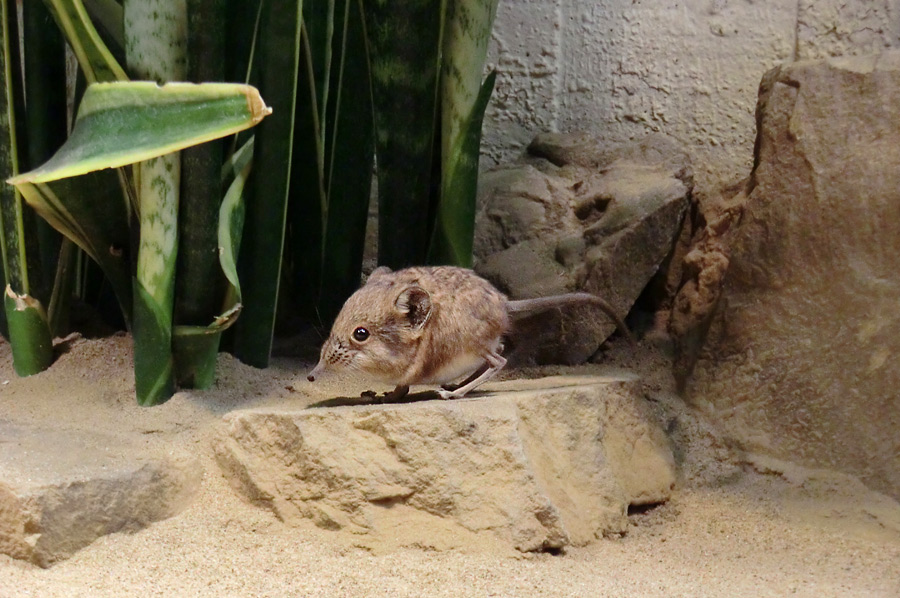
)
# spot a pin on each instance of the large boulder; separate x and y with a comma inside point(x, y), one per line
point(61, 490)
point(573, 215)
point(802, 352)
point(539, 465)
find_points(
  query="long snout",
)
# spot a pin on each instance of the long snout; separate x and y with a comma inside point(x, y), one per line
point(317, 372)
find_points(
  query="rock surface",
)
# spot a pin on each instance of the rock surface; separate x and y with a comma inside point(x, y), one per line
point(61, 490)
point(539, 465)
point(801, 358)
point(576, 216)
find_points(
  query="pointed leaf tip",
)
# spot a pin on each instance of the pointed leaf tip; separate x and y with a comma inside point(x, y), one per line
point(257, 106)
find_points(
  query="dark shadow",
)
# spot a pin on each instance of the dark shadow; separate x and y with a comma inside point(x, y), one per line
point(372, 399)
point(63, 346)
point(644, 509)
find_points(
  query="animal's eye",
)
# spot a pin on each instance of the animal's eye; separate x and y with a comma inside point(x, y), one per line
point(360, 334)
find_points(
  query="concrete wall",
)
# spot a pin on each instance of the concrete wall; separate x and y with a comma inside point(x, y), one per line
point(690, 68)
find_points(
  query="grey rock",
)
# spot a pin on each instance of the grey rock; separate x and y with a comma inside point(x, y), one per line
point(801, 357)
point(582, 149)
point(577, 216)
point(537, 465)
point(519, 202)
point(61, 490)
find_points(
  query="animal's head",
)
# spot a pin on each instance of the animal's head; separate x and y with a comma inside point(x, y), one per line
point(376, 334)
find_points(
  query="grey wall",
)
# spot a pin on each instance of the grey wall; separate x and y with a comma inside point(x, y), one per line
point(622, 68)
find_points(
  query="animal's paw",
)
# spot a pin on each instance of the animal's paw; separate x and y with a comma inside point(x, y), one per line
point(396, 394)
point(446, 394)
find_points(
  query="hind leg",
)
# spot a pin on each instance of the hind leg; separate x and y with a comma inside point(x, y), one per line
point(495, 363)
point(473, 376)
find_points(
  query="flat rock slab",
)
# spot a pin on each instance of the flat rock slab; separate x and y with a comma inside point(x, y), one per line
point(537, 464)
point(61, 490)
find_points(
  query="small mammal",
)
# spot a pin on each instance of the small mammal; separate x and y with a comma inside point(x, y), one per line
point(430, 325)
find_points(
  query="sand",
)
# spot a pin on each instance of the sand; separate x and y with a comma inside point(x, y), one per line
point(738, 525)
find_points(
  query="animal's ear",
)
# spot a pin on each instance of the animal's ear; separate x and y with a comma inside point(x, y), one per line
point(414, 304)
point(378, 272)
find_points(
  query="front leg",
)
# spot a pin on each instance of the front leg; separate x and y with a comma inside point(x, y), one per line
point(495, 363)
point(396, 394)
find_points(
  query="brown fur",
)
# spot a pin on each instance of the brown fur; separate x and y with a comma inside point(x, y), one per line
point(427, 325)
point(402, 351)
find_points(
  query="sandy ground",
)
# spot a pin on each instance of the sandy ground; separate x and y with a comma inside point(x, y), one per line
point(737, 525)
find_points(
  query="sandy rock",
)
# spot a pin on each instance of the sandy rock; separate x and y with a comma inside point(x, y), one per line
point(801, 359)
point(577, 216)
point(704, 268)
point(61, 490)
point(539, 465)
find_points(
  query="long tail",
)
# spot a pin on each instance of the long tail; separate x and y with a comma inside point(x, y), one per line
point(524, 307)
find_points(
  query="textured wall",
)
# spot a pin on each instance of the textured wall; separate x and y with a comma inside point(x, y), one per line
point(691, 68)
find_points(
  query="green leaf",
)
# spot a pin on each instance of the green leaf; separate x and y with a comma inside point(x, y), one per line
point(90, 212)
point(63, 288)
point(29, 333)
point(199, 284)
point(454, 231)
point(242, 28)
point(153, 365)
point(231, 217)
point(195, 347)
point(12, 213)
point(4, 327)
point(155, 48)
point(463, 101)
point(404, 45)
point(108, 15)
point(97, 64)
point(316, 48)
point(466, 37)
point(124, 123)
point(46, 118)
point(349, 170)
point(158, 192)
point(278, 52)
point(334, 148)
point(93, 56)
